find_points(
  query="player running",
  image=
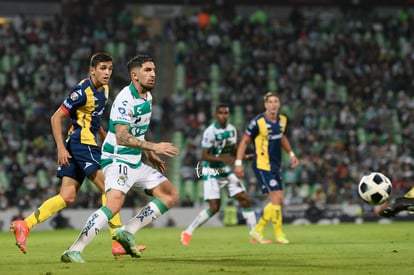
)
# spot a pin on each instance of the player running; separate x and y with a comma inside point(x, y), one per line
point(218, 149)
point(79, 155)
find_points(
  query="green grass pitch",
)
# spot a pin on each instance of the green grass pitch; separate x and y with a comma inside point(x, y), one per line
point(368, 248)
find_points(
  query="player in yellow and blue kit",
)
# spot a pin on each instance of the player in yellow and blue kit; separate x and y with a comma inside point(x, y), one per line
point(123, 167)
point(79, 156)
point(267, 131)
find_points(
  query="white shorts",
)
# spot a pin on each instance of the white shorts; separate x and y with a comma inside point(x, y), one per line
point(121, 177)
point(231, 184)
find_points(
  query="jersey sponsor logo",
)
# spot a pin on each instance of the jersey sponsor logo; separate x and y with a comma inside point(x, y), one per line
point(273, 137)
point(122, 110)
point(143, 108)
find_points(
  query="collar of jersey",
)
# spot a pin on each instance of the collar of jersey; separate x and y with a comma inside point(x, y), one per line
point(218, 125)
point(134, 90)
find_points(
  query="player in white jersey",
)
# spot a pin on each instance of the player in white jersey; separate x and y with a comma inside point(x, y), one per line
point(122, 165)
point(218, 150)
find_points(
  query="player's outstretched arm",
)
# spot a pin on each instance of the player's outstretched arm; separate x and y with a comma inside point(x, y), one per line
point(123, 137)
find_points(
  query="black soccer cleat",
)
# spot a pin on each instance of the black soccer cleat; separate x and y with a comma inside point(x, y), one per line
point(400, 204)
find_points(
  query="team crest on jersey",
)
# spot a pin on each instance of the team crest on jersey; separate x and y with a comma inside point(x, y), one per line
point(121, 180)
point(273, 183)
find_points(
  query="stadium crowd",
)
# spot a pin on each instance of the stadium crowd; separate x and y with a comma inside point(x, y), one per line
point(344, 75)
point(344, 78)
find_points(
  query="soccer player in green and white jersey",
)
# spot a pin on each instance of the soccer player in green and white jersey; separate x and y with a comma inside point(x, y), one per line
point(219, 144)
point(122, 166)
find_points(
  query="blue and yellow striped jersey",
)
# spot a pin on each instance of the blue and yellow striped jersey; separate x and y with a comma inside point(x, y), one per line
point(85, 106)
point(267, 140)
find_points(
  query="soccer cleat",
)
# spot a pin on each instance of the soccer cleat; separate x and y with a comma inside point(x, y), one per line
point(185, 238)
point(257, 237)
point(118, 250)
point(282, 240)
point(21, 231)
point(72, 257)
point(127, 241)
point(265, 241)
point(400, 204)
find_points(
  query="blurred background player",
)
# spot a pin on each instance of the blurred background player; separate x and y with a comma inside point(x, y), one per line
point(79, 155)
point(267, 131)
point(218, 147)
point(122, 165)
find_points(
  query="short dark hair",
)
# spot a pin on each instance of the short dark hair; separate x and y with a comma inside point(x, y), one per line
point(138, 60)
point(222, 105)
point(98, 58)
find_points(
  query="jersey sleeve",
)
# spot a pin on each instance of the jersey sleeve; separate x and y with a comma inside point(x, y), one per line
point(75, 99)
point(252, 129)
point(283, 124)
point(207, 140)
point(121, 112)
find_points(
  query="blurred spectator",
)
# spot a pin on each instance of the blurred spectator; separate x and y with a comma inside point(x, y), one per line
point(60, 222)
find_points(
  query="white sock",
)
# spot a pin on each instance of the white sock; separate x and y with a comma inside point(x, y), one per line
point(92, 227)
point(250, 218)
point(145, 216)
point(201, 219)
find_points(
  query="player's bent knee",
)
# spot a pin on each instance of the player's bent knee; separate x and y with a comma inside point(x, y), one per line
point(69, 201)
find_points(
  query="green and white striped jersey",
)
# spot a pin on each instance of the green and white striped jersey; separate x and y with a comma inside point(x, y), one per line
point(129, 109)
point(220, 142)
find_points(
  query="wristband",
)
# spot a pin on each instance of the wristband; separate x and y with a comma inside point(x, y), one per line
point(238, 162)
point(291, 154)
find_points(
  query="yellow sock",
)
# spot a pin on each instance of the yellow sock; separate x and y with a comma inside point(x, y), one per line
point(115, 222)
point(45, 211)
point(264, 219)
point(276, 212)
point(410, 194)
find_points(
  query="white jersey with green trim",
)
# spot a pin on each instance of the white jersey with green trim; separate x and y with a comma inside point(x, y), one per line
point(220, 141)
point(129, 109)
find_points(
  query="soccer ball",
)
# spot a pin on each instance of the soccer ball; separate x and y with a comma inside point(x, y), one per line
point(374, 188)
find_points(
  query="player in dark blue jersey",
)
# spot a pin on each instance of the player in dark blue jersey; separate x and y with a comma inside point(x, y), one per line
point(79, 155)
point(267, 131)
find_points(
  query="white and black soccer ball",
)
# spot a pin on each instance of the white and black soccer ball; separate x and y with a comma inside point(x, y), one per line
point(375, 188)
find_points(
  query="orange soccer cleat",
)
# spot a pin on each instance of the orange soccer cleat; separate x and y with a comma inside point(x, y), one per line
point(118, 250)
point(21, 231)
point(185, 238)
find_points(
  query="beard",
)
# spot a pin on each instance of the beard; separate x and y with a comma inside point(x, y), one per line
point(146, 88)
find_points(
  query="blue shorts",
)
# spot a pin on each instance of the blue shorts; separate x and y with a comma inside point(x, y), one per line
point(268, 180)
point(86, 159)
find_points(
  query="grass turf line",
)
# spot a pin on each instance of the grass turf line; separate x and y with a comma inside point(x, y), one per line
point(369, 248)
